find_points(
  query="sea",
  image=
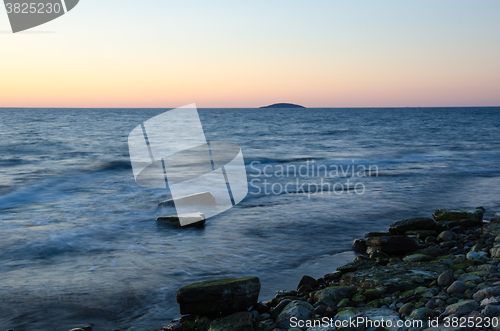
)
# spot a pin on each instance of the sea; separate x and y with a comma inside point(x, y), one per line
point(79, 244)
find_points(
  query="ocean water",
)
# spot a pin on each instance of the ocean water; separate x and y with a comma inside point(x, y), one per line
point(79, 244)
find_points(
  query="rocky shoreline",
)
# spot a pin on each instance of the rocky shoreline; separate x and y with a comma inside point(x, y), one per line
point(437, 273)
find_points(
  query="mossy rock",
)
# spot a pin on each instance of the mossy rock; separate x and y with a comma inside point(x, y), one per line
point(417, 258)
point(399, 276)
point(236, 322)
point(219, 296)
point(333, 295)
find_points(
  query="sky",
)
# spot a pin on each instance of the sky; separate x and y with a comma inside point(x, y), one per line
point(318, 53)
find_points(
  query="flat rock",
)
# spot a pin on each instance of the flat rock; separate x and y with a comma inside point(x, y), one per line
point(219, 296)
point(197, 199)
point(186, 219)
point(462, 307)
point(241, 321)
point(400, 276)
point(300, 309)
point(475, 215)
point(391, 244)
point(412, 224)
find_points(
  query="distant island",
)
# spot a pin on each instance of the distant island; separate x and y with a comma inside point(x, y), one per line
point(283, 105)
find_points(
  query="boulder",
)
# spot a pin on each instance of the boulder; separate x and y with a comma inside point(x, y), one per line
point(332, 295)
point(459, 217)
point(400, 276)
point(219, 296)
point(391, 244)
point(462, 307)
point(299, 309)
point(496, 218)
point(412, 224)
point(241, 321)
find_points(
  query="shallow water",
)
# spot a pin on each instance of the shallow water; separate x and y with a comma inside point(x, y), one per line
point(80, 246)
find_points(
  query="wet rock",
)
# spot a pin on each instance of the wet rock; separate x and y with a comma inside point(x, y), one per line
point(486, 293)
point(445, 279)
point(419, 314)
point(279, 308)
point(457, 287)
point(391, 244)
point(475, 215)
point(218, 296)
point(332, 295)
point(307, 280)
point(470, 277)
point(399, 276)
point(490, 301)
point(447, 236)
point(492, 311)
point(473, 255)
point(299, 309)
point(417, 258)
point(412, 224)
point(462, 307)
point(241, 321)
point(406, 308)
point(372, 294)
point(304, 289)
point(360, 262)
point(336, 275)
point(496, 218)
point(359, 245)
point(431, 304)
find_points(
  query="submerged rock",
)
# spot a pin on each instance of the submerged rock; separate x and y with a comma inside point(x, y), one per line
point(219, 296)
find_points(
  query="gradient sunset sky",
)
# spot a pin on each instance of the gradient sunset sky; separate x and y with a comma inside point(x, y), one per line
point(124, 53)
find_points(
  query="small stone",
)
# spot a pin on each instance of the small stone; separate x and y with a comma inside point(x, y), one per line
point(462, 307)
point(431, 304)
point(486, 292)
point(406, 308)
point(447, 236)
point(457, 287)
point(492, 311)
point(417, 258)
point(470, 277)
point(473, 255)
point(358, 298)
point(445, 279)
